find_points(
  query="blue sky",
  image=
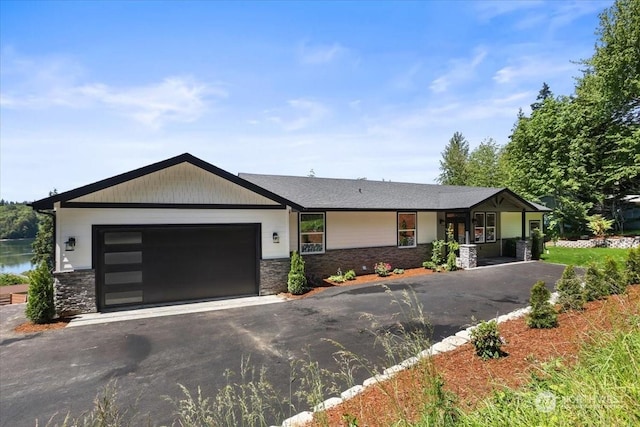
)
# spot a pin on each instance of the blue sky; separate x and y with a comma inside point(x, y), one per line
point(349, 89)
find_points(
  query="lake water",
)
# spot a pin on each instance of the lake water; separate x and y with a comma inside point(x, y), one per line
point(15, 255)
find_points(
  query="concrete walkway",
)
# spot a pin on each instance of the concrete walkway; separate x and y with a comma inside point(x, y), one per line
point(172, 310)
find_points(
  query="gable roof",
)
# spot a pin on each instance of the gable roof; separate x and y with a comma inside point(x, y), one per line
point(354, 194)
point(311, 193)
point(48, 202)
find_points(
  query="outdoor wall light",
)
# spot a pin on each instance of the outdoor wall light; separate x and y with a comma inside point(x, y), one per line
point(70, 244)
point(276, 238)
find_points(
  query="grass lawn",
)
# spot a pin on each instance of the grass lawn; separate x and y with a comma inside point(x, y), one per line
point(582, 257)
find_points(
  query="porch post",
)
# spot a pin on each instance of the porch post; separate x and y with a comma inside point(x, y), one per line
point(524, 222)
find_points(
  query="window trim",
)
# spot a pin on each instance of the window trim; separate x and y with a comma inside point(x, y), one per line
point(399, 230)
point(323, 233)
point(484, 227)
point(494, 226)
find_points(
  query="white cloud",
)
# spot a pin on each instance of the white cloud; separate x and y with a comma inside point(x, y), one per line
point(460, 71)
point(319, 54)
point(175, 99)
point(405, 80)
point(529, 68)
point(301, 114)
point(56, 82)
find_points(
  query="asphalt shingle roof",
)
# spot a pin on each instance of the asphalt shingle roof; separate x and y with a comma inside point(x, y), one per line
point(355, 194)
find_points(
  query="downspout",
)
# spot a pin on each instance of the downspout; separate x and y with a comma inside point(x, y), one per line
point(52, 214)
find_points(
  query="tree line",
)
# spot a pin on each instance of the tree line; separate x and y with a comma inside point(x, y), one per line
point(577, 153)
point(17, 221)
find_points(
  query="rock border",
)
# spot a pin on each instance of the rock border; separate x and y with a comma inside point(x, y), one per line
point(447, 344)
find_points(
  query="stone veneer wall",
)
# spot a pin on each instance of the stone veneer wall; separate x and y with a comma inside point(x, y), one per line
point(620, 243)
point(75, 292)
point(468, 256)
point(321, 266)
point(523, 250)
point(273, 275)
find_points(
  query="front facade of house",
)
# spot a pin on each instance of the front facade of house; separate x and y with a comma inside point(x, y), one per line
point(184, 230)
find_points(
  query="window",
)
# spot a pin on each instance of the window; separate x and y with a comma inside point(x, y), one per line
point(406, 229)
point(311, 233)
point(485, 226)
point(491, 227)
point(478, 230)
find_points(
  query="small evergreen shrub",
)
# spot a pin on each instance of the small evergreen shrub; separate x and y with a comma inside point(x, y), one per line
point(296, 281)
point(382, 269)
point(542, 315)
point(570, 292)
point(632, 267)
point(615, 283)
point(40, 305)
point(487, 341)
point(536, 244)
point(350, 275)
point(594, 286)
point(398, 271)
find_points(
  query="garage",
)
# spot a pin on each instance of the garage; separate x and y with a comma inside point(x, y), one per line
point(144, 265)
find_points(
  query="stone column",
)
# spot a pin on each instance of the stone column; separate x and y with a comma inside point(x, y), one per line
point(75, 292)
point(468, 256)
point(523, 250)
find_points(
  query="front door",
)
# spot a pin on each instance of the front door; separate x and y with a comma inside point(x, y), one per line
point(457, 223)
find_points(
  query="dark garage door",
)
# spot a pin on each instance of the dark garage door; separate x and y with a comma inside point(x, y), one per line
point(152, 265)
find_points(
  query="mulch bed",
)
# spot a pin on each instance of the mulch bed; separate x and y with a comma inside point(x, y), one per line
point(32, 328)
point(472, 379)
point(359, 280)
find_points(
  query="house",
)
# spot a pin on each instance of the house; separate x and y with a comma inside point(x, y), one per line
point(183, 230)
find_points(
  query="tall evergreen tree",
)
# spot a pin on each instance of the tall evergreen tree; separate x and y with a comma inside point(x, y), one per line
point(453, 166)
point(545, 92)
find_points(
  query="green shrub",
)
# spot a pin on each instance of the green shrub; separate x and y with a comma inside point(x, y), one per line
point(536, 243)
point(398, 271)
point(594, 286)
point(8, 279)
point(614, 283)
point(40, 306)
point(437, 252)
point(451, 261)
point(632, 267)
point(297, 282)
point(542, 315)
point(570, 292)
point(350, 275)
point(429, 265)
point(337, 279)
point(487, 341)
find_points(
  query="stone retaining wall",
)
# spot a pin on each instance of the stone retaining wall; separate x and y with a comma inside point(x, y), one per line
point(619, 243)
point(75, 292)
point(320, 266)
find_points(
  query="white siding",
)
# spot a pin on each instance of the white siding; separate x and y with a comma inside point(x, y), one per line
point(360, 229)
point(293, 231)
point(427, 227)
point(78, 223)
point(511, 223)
point(182, 183)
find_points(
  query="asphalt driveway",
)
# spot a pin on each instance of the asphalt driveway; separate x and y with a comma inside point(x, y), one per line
point(63, 370)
